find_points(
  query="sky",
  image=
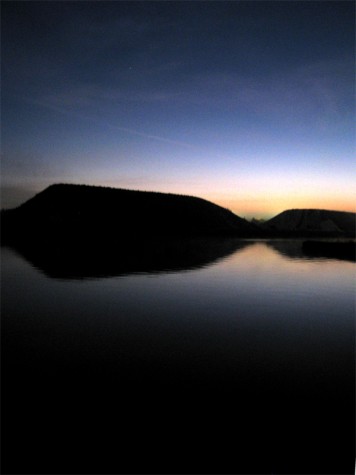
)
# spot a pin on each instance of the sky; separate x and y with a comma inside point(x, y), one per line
point(247, 104)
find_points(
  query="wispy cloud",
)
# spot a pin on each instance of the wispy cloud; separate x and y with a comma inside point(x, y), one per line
point(58, 104)
point(94, 96)
point(313, 97)
point(153, 137)
point(315, 88)
point(318, 88)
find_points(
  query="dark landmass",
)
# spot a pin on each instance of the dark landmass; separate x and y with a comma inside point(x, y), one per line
point(312, 223)
point(81, 216)
point(96, 214)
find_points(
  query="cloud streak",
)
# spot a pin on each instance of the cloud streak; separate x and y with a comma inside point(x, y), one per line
point(314, 93)
point(51, 105)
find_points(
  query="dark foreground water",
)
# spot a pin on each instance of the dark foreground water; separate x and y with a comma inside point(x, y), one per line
point(215, 357)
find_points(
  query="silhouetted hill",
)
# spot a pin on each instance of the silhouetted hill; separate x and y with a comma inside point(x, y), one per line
point(313, 222)
point(91, 214)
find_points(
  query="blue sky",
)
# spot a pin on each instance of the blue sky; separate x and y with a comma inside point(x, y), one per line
point(248, 104)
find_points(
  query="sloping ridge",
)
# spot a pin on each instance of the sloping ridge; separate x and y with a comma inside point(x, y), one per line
point(314, 221)
point(90, 213)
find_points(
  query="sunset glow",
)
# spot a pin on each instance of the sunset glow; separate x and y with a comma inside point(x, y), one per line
point(204, 99)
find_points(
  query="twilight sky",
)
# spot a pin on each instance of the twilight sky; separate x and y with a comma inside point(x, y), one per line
point(248, 104)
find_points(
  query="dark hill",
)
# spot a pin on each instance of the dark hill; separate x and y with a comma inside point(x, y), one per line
point(310, 222)
point(91, 214)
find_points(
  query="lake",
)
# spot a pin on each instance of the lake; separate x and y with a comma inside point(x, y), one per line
point(213, 356)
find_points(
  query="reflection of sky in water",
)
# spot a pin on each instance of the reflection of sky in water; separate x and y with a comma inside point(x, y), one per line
point(259, 268)
point(257, 341)
point(255, 282)
point(255, 308)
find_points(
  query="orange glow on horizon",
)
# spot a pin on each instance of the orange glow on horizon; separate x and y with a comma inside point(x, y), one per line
point(270, 206)
point(260, 200)
point(249, 201)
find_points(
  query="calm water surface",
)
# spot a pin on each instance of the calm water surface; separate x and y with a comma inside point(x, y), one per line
point(242, 363)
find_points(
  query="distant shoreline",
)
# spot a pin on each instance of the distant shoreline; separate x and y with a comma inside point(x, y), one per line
point(66, 213)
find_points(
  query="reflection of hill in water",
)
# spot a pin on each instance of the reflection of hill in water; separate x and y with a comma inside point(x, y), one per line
point(299, 249)
point(78, 261)
point(151, 256)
